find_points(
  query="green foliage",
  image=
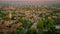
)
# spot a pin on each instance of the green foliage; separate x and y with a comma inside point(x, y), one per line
point(18, 31)
point(20, 19)
point(53, 14)
point(5, 18)
point(27, 24)
point(50, 22)
point(57, 21)
point(40, 24)
point(40, 32)
point(0, 12)
point(56, 11)
point(20, 28)
point(51, 32)
point(31, 31)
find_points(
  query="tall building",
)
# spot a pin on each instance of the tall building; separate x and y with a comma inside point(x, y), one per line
point(10, 15)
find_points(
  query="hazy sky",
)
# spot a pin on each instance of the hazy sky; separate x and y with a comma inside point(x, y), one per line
point(30, 0)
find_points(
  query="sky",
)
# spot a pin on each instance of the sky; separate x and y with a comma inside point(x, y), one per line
point(30, 0)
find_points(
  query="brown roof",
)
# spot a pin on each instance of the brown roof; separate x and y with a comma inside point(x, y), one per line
point(15, 26)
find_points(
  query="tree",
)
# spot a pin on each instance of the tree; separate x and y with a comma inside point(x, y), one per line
point(18, 31)
point(31, 31)
point(27, 24)
point(5, 17)
point(40, 24)
point(50, 22)
point(57, 21)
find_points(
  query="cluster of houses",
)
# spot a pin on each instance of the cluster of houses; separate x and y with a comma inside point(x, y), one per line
point(33, 14)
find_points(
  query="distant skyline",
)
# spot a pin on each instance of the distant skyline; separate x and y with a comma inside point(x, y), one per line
point(29, 0)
